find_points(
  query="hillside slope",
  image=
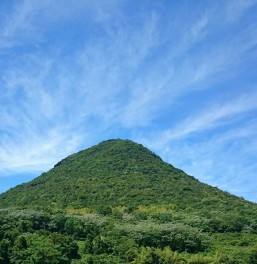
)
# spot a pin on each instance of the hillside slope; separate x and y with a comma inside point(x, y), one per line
point(120, 173)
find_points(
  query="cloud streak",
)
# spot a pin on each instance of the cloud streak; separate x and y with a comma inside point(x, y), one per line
point(212, 117)
point(73, 76)
point(224, 158)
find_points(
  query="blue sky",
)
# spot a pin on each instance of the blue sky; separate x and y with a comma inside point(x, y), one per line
point(179, 77)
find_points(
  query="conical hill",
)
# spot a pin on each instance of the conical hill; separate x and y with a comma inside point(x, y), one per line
point(118, 173)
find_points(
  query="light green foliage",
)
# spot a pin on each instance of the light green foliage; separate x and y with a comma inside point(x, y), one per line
point(177, 236)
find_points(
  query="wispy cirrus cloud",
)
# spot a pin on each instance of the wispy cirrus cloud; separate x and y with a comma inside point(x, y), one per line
point(176, 74)
point(213, 116)
point(17, 26)
point(237, 8)
point(88, 71)
point(224, 158)
point(36, 154)
point(46, 103)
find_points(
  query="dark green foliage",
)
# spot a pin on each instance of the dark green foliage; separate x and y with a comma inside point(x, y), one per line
point(4, 251)
point(74, 226)
point(26, 237)
point(38, 249)
point(105, 210)
point(253, 257)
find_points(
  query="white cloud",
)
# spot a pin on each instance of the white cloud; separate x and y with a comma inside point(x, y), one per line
point(30, 152)
point(222, 159)
point(118, 75)
point(17, 26)
point(48, 108)
point(178, 72)
point(237, 8)
point(22, 24)
point(210, 117)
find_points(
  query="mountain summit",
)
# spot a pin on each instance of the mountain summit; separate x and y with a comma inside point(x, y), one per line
point(119, 173)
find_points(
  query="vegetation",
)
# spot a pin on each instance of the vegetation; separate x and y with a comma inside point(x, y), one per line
point(118, 202)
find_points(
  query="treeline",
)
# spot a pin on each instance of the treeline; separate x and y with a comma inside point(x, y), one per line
point(38, 237)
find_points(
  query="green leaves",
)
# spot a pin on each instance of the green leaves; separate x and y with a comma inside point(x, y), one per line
point(118, 202)
point(39, 249)
point(176, 236)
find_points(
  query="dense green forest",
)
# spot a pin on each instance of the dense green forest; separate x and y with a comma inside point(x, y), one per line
point(118, 202)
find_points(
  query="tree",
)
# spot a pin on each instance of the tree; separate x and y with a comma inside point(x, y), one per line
point(4, 251)
point(253, 257)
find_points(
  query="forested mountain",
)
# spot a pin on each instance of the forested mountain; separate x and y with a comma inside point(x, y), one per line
point(118, 202)
point(120, 173)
